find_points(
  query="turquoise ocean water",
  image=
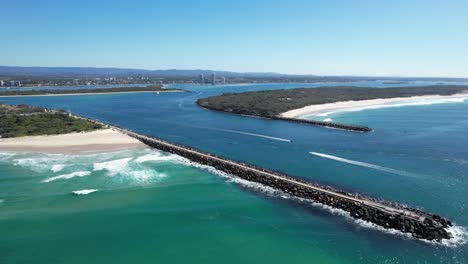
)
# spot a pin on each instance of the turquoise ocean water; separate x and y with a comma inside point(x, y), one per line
point(152, 207)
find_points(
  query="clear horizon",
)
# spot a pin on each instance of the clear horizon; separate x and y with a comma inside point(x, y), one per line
point(331, 38)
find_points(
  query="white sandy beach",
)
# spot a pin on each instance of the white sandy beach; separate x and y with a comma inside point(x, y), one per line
point(88, 142)
point(348, 105)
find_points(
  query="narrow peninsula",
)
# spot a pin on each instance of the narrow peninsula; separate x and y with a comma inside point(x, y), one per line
point(290, 104)
point(84, 91)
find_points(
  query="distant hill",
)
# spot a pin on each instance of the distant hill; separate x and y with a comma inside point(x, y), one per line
point(176, 73)
point(84, 71)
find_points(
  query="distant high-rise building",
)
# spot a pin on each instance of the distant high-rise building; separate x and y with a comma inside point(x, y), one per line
point(15, 83)
point(2, 83)
point(213, 78)
point(223, 79)
point(201, 79)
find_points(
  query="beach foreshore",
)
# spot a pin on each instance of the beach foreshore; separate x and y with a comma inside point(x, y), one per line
point(74, 143)
point(348, 105)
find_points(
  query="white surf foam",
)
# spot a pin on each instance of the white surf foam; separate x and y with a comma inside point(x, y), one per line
point(143, 177)
point(460, 236)
point(363, 164)
point(43, 162)
point(58, 167)
point(156, 156)
point(328, 120)
point(6, 155)
point(134, 171)
point(67, 176)
point(84, 192)
point(113, 166)
point(35, 164)
point(254, 135)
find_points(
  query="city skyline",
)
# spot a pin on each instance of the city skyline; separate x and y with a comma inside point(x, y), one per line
point(332, 38)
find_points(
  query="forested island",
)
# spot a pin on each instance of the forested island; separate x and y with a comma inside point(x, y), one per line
point(272, 103)
point(71, 91)
point(25, 120)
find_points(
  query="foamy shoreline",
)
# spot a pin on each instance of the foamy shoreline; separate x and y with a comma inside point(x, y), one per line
point(348, 105)
point(74, 143)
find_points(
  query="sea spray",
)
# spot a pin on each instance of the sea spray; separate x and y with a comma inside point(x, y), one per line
point(67, 176)
point(113, 167)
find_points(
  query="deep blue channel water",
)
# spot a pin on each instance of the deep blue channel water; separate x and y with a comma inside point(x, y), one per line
point(425, 148)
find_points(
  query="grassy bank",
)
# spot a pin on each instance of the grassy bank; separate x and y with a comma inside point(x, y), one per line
point(24, 120)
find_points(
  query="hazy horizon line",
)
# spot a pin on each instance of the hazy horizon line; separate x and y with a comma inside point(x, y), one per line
point(243, 72)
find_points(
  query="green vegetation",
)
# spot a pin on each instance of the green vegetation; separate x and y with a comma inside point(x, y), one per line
point(151, 88)
point(24, 120)
point(274, 102)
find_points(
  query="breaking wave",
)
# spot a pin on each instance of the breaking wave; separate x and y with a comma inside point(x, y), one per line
point(132, 169)
point(35, 164)
point(131, 165)
point(156, 156)
point(5, 155)
point(58, 167)
point(113, 166)
point(67, 176)
point(363, 164)
point(84, 192)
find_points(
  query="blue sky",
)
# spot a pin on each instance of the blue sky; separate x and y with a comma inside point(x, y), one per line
point(333, 37)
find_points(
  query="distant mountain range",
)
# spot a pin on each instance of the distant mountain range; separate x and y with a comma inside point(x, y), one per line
point(175, 73)
point(85, 71)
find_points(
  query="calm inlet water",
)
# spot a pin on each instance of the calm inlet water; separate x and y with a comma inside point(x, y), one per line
point(152, 207)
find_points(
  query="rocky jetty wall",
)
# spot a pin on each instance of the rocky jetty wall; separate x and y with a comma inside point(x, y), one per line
point(326, 124)
point(387, 215)
point(353, 128)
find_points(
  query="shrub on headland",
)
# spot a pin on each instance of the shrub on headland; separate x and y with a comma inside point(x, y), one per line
point(24, 120)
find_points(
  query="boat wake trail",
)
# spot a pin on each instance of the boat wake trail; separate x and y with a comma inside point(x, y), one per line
point(363, 164)
point(254, 135)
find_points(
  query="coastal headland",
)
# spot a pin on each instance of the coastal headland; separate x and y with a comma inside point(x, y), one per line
point(25, 128)
point(291, 104)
